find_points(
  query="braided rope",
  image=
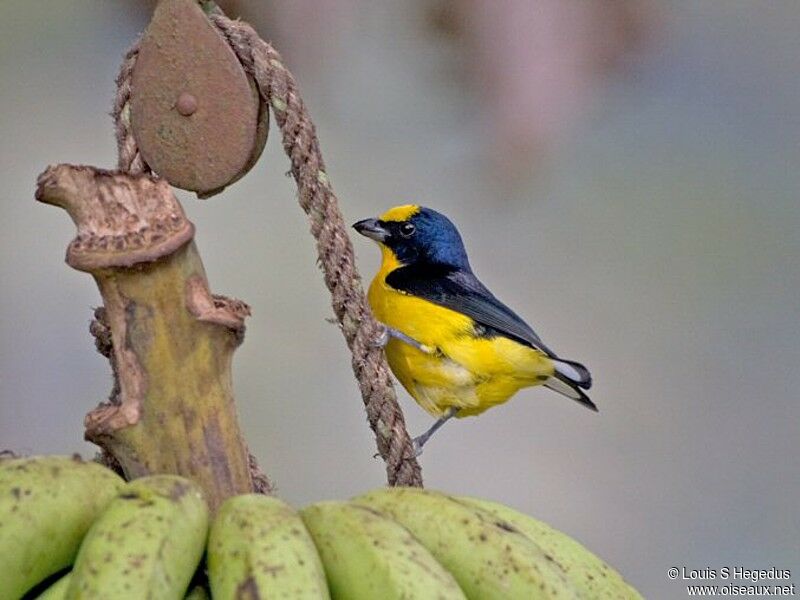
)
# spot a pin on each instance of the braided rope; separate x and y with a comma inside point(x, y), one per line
point(279, 89)
point(129, 159)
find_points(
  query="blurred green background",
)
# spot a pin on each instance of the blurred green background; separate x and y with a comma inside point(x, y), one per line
point(628, 184)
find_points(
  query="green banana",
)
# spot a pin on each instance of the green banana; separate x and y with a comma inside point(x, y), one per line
point(258, 547)
point(488, 559)
point(368, 556)
point(47, 504)
point(146, 544)
point(592, 577)
point(57, 590)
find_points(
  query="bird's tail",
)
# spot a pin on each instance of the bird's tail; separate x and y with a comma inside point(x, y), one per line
point(570, 379)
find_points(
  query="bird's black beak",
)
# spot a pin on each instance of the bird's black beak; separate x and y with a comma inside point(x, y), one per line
point(372, 229)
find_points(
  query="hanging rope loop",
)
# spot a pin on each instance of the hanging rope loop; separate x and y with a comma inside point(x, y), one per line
point(278, 89)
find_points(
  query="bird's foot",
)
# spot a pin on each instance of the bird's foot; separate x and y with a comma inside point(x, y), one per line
point(417, 444)
point(382, 338)
point(422, 439)
point(389, 332)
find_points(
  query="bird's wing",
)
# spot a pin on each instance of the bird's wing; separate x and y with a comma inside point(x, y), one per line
point(462, 292)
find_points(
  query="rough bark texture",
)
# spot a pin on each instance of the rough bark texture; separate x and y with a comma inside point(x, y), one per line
point(171, 341)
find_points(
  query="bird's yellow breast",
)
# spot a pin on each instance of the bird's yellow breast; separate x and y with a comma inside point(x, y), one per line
point(464, 370)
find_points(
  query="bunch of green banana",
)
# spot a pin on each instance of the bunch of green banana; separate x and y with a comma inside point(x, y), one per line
point(145, 540)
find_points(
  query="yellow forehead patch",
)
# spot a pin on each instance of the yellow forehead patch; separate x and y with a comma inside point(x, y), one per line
point(400, 213)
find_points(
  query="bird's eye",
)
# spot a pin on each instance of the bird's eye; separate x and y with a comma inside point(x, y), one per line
point(407, 229)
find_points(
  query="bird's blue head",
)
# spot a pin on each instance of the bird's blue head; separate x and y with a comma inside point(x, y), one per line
point(417, 235)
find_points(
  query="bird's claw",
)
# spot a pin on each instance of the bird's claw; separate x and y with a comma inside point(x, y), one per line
point(417, 445)
point(382, 338)
point(390, 332)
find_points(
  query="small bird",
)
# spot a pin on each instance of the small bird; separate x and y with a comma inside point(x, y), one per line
point(454, 347)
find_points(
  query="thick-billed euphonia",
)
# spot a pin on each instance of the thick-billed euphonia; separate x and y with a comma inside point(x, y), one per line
point(453, 346)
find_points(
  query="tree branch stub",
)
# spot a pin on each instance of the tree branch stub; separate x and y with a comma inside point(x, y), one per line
point(173, 341)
